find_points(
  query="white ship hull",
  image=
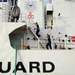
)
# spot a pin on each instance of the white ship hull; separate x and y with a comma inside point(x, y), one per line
point(56, 19)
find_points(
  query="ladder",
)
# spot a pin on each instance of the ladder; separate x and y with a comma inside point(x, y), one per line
point(3, 12)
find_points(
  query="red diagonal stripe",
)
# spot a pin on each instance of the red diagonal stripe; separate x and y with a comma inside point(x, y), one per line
point(73, 37)
point(73, 40)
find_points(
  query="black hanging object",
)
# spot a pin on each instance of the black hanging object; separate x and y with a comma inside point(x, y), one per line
point(28, 38)
point(62, 40)
point(69, 40)
point(59, 14)
point(65, 35)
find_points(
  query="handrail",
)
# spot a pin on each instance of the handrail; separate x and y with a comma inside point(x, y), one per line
point(36, 37)
point(69, 45)
point(40, 31)
point(33, 26)
point(32, 22)
point(34, 33)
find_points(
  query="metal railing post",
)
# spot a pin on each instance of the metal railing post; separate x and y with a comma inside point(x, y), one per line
point(22, 43)
point(38, 44)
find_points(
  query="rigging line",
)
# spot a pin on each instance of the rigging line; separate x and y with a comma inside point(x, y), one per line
point(71, 12)
point(15, 58)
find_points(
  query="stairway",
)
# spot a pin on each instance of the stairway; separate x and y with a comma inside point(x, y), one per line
point(42, 41)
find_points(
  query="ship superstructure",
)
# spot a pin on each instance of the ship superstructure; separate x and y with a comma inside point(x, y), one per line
point(18, 29)
point(55, 18)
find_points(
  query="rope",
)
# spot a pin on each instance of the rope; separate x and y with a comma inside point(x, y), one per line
point(15, 59)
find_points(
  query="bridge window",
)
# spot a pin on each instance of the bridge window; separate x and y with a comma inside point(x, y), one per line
point(3, 0)
point(47, 1)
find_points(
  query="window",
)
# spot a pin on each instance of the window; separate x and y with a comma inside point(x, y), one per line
point(3, 0)
point(48, 1)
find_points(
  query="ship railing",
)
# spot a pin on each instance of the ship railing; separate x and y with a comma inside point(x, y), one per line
point(7, 18)
point(35, 44)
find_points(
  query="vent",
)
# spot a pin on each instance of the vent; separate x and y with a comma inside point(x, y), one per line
point(49, 12)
